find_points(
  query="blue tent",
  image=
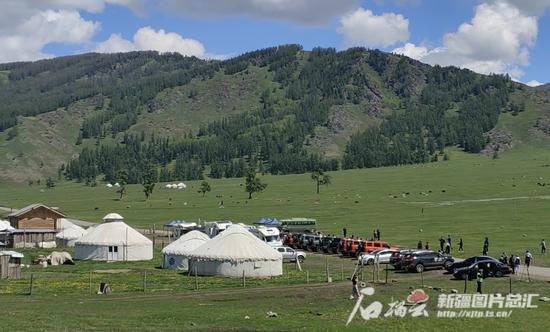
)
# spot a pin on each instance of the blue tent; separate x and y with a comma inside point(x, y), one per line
point(174, 223)
point(268, 222)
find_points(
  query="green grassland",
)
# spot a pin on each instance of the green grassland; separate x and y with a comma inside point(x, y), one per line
point(470, 196)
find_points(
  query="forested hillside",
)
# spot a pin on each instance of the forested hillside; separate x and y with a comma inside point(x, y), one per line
point(279, 110)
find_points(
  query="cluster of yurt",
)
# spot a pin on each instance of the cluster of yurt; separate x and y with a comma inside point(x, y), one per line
point(113, 240)
point(68, 233)
point(175, 255)
point(233, 253)
point(108, 185)
point(180, 185)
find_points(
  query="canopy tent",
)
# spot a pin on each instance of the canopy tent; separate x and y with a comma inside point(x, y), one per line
point(268, 221)
point(174, 255)
point(113, 240)
point(174, 223)
point(235, 252)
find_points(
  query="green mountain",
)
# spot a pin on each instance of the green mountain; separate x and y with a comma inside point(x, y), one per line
point(280, 110)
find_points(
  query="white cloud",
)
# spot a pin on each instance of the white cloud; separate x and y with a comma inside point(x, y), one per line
point(147, 38)
point(529, 7)
point(309, 12)
point(28, 39)
point(496, 40)
point(534, 83)
point(27, 26)
point(362, 28)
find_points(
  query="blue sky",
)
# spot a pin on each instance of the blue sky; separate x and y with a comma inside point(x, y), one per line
point(504, 36)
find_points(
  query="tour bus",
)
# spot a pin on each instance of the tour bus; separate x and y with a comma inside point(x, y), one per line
point(269, 235)
point(299, 225)
point(213, 228)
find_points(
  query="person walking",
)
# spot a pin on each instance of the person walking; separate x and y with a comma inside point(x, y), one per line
point(479, 280)
point(355, 288)
point(543, 247)
point(460, 245)
point(486, 243)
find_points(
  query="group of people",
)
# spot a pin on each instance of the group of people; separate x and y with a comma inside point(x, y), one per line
point(445, 246)
point(375, 234)
point(514, 262)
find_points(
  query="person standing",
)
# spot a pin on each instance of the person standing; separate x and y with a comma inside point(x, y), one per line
point(517, 264)
point(543, 247)
point(460, 245)
point(486, 243)
point(355, 288)
point(378, 234)
point(427, 246)
point(441, 244)
point(374, 235)
point(511, 263)
point(449, 240)
point(344, 231)
point(479, 281)
point(447, 248)
point(419, 245)
point(528, 259)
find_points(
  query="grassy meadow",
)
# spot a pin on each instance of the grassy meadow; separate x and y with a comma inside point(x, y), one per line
point(470, 196)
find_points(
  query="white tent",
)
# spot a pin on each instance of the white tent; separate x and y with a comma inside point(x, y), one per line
point(233, 252)
point(68, 233)
point(182, 185)
point(109, 185)
point(168, 186)
point(113, 240)
point(117, 184)
point(174, 255)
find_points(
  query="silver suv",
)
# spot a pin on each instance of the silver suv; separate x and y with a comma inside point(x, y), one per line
point(291, 255)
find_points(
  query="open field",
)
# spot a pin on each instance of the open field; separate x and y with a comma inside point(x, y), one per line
point(470, 196)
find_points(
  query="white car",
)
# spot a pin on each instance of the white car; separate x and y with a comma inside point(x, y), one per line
point(383, 257)
point(291, 255)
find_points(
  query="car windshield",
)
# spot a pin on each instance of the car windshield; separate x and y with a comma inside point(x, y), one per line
point(271, 238)
point(376, 252)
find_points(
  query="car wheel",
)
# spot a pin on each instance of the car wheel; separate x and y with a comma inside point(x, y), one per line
point(370, 261)
point(447, 265)
point(498, 274)
point(419, 268)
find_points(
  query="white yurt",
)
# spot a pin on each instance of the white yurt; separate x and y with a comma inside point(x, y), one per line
point(174, 255)
point(108, 185)
point(113, 240)
point(68, 233)
point(233, 251)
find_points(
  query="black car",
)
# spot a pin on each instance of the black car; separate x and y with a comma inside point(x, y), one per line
point(469, 261)
point(396, 259)
point(325, 244)
point(420, 261)
point(489, 268)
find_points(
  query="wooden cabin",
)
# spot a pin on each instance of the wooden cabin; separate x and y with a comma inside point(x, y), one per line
point(35, 216)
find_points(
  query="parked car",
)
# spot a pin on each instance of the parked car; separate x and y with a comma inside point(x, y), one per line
point(469, 261)
point(291, 255)
point(369, 246)
point(489, 268)
point(420, 261)
point(334, 245)
point(396, 259)
point(325, 244)
point(349, 247)
point(314, 242)
point(383, 257)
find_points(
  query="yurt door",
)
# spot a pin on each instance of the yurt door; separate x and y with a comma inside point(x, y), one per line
point(113, 253)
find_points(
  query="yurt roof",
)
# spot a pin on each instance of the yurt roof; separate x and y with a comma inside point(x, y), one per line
point(235, 244)
point(113, 217)
point(71, 233)
point(186, 243)
point(113, 233)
